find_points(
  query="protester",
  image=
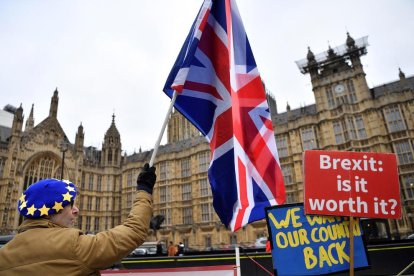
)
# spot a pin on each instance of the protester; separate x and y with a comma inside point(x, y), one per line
point(268, 246)
point(47, 243)
point(180, 249)
point(159, 249)
point(172, 249)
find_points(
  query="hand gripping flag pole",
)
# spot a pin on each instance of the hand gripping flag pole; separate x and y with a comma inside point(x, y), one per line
point(167, 117)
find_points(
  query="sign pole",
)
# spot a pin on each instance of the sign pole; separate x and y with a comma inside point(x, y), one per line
point(351, 246)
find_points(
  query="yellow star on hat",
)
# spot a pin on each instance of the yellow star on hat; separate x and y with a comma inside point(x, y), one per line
point(70, 189)
point(44, 210)
point(67, 196)
point(31, 210)
point(22, 198)
point(22, 205)
point(57, 206)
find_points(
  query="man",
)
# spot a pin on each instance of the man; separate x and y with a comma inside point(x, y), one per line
point(46, 243)
point(172, 249)
point(180, 249)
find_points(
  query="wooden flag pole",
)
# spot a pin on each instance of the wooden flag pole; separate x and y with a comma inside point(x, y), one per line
point(167, 117)
point(351, 246)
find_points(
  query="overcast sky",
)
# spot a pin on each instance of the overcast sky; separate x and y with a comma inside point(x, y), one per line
point(111, 56)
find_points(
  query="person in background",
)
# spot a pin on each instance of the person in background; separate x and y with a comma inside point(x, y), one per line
point(159, 249)
point(268, 246)
point(180, 249)
point(172, 249)
point(47, 243)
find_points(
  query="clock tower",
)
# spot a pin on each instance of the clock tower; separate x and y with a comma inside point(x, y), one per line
point(337, 74)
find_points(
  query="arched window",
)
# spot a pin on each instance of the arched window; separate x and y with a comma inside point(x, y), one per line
point(41, 168)
point(109, 156)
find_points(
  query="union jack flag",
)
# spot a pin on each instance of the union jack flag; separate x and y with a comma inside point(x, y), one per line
point(221, 93)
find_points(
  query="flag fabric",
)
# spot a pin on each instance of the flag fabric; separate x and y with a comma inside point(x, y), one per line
point(220, 91)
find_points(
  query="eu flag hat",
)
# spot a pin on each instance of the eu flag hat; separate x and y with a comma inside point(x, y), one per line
point(46, 197)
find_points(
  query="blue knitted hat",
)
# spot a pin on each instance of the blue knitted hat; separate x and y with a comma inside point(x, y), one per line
point(46, 197)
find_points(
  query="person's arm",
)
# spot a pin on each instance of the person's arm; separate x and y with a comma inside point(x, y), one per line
point(105, 248)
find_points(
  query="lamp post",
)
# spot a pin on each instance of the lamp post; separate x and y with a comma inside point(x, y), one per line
point(63, 149)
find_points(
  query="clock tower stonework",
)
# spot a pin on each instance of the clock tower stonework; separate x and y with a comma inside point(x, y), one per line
point(337, 74)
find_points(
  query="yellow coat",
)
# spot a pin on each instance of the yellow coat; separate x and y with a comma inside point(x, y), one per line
point(44, 248)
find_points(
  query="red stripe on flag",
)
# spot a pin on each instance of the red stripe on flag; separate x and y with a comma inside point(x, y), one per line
point(223, 130)
point(212, 46)
point(244, 202)
point(201, 87)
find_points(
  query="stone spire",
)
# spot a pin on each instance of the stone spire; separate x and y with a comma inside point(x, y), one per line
point(401, 74)
point(79, 139)
point(111, 147)
point(30, 121)
point(54, 104)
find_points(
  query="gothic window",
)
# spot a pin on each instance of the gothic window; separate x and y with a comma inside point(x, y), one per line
point(96, 224)
point(394, 119)
point(360, 127)
point(207, 242)
point(83, 180)
point(81, 202)
point(203, 161)
point(282, 147)
point(41, 168)
point(351, 89)
point(91, 181)
point(79, 221)
point(185, 167)
point(351, 128)
point(1, 166)
point(108, 183)
point(88, 224)
point(98, 204)
point(329, 95)
point(108, 202)
point(408, 186)
point(204, 188)
point(99, 184)
point(106, 223)
point(163, 170)
point(186, 191)
point(116, 157)
point(404, 152)
point(187, 215)
point(164, 194)
point(44, 164)
point(129, 179)
point(340, 131)
point(206, 212)
point(109, 156)
point(89, 203)
point(167, 216)
point(308, 138)
point(290, 198)
point(287, 174)
point(129, 200)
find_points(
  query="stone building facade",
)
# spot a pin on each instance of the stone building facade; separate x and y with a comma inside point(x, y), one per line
point(347, 115)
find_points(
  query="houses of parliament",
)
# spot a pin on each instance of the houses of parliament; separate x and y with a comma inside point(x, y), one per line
point(347, 115)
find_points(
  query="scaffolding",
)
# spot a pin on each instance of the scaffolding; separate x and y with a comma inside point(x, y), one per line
point(340, 51)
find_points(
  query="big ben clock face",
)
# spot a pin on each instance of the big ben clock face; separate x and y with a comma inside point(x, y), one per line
point(339, 88)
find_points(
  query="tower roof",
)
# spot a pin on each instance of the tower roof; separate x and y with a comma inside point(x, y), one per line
point(112, 130)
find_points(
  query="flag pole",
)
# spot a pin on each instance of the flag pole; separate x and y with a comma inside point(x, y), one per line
point(167, 117)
